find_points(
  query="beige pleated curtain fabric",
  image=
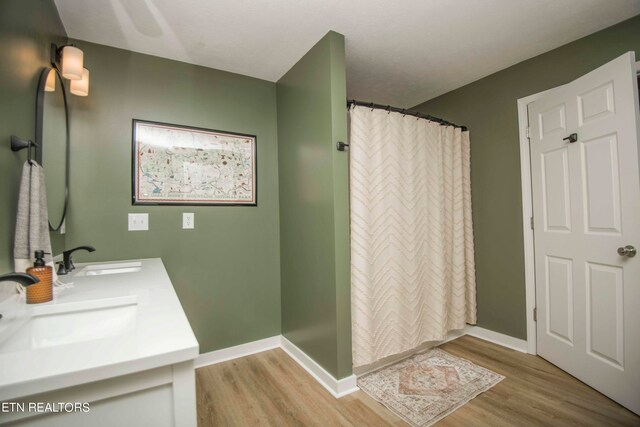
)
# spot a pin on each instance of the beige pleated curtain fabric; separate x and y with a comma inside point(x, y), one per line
point(412, 266)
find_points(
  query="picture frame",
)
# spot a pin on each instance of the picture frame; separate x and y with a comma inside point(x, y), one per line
point(192, 166)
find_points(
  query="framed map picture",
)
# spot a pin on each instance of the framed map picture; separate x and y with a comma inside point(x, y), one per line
point(180, 165)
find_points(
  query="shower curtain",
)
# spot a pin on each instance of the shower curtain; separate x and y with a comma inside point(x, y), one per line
point(412, 266)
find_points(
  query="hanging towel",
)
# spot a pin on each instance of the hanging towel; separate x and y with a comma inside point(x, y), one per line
point(32, 221)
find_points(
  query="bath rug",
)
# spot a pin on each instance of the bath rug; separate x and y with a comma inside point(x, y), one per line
point(427, 387)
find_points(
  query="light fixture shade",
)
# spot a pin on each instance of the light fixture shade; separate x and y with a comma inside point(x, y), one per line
point(72, 63)
point(50, 85)
point(81, 87)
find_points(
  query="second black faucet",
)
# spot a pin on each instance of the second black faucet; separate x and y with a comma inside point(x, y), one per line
point(66, 266)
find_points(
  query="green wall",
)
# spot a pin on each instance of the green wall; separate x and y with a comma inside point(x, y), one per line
point(226, 270)
point(314, 210)
point(27, 28)
point(488, 108)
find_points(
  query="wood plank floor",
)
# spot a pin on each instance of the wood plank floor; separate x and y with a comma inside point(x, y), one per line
point(270, 389)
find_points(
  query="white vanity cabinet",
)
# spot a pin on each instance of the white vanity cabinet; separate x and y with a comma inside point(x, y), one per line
point(118, 340)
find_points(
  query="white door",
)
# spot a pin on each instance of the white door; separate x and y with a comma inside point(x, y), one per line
point(586, 205)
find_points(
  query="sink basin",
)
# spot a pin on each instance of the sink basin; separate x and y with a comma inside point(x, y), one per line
point(60, 324)
point(115, 268)
point(111, 271)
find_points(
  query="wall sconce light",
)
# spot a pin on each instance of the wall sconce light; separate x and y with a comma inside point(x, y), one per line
point(70, 61)
point(81, 87)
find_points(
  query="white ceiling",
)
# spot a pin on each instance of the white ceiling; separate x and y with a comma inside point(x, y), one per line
point(398, 52)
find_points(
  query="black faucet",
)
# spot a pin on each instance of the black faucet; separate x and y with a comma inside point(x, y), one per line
point(67, 263)
point(22, 278)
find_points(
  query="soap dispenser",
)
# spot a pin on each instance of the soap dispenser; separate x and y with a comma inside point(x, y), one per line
point(42, 291)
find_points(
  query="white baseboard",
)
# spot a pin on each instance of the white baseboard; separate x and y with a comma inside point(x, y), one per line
point(497, 338)
point(344, 386)
point(452, 335)
point(337, 388)
point(237, 351)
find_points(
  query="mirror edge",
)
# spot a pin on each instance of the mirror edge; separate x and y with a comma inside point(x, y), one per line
point(40, 130)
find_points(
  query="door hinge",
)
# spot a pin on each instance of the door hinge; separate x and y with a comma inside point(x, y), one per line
point(528, 132)
point(532, 223)
point(535, 314)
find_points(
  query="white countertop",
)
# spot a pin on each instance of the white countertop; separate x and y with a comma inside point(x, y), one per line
point(159, 334)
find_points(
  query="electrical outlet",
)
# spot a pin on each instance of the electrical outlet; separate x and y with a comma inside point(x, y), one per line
point(188, 220)
point(138, 222)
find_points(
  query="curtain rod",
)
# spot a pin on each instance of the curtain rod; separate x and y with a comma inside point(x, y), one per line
point(372, 105)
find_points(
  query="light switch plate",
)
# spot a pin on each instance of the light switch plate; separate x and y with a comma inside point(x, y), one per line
point(188, 219)
point(138, 222)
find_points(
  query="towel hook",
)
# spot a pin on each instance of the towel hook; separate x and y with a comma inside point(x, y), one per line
point(341, 146)
point(18, 144)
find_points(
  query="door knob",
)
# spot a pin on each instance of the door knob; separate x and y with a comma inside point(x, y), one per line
point(571, 138)
point(628, 251)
